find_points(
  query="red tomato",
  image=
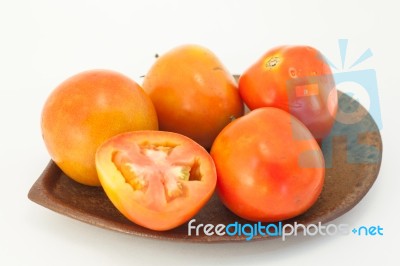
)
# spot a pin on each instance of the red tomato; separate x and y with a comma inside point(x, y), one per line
point(269, 166)
point(296, 79)
point(156, 179)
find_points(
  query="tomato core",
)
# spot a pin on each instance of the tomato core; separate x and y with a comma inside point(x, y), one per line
point(152, 173)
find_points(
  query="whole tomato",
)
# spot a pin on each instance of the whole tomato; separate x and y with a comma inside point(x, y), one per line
point(193, 93)
point(296, 79)
point(156, 179)
point(269, 166)
point(87, 109)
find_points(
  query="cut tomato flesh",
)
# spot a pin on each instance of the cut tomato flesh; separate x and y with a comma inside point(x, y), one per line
point(152, 173)
point(156, 179)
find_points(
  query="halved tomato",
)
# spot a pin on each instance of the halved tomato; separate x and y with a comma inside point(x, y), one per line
point(156, 179)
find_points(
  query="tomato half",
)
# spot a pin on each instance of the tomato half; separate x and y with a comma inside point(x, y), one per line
point(296, 79)
point(269, 166)
point(156, 179)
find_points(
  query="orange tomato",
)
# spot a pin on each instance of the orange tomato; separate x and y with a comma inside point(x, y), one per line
point(193, 93)
point(156, 179)
point(269, 166)
point(296, 79)
point(87, 109)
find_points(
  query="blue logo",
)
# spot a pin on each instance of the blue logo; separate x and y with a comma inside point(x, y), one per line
point(357, 110)
point(368, 230)
point(283, 231)
point(363, 85)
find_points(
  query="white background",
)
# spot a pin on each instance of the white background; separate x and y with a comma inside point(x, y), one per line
point(44, 42)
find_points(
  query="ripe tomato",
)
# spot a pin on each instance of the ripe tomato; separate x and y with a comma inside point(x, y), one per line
point(269, 166)
point(193, 93)
point(296, 79)
point(87, 109)
point(156, 179)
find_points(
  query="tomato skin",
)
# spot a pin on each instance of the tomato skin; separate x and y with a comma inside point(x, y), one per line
point(142, 200)
point(87, 109)
point(269, 166)
point(296, 79)
point(193, 93)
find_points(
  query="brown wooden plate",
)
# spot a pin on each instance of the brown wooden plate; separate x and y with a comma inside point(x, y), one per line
point(353, 154)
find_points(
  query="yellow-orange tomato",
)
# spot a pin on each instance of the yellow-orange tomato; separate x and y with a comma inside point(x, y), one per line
point(193, 93)
point(86, 110)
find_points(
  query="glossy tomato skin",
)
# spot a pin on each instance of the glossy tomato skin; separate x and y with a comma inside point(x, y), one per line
point(193, 93)
point(87, 109)
point(156, 179)
point(296, 79)
point(269, 166)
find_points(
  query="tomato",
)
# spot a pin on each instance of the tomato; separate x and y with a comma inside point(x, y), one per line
point(87, 109)
point(269, 166)
point(156, 179)
point(296, 79)
point(193, 93)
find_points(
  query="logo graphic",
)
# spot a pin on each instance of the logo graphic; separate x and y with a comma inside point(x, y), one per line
point(362, 101)
point(368, 230)
point(283, 231)
point(358, 114)
point(360, 85)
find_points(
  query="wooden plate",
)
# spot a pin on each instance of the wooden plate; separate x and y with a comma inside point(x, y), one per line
point(353, 154)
